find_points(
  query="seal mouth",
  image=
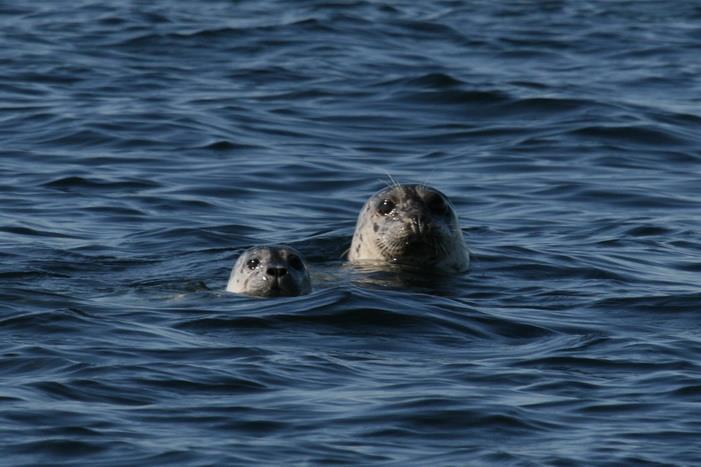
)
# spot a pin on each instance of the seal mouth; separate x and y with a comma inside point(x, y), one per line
point(420, 248)
point(280, 288)
point(417, 249)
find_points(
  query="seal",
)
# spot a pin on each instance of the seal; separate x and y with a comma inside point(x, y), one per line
point(410, 225)
point(270, 271)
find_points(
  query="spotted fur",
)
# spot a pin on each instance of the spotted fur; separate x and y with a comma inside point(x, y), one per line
point(412, 225)
point(270, 271)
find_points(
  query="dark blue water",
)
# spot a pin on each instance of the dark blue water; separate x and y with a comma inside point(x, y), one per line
point(144, 144)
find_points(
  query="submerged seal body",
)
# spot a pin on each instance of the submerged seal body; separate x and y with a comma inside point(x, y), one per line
point(410, 225)
point(270, 271)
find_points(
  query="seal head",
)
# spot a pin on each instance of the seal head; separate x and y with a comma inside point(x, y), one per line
point(410, 225)
point(270, 271)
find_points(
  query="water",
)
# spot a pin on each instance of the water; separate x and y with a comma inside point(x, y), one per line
point(144, 144)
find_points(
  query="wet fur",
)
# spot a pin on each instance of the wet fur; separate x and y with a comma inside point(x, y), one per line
point(257, 282)
point(412, 234)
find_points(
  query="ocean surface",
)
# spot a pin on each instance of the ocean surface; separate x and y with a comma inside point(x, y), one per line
point(144, 145)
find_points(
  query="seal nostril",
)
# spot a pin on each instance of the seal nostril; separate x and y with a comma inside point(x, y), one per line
point(276, 272)
point(418, 223)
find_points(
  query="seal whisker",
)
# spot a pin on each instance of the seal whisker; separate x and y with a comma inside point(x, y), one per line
point(392, 181)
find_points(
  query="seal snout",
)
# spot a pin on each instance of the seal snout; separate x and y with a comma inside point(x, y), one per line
point(419, 225)
point(279, 279)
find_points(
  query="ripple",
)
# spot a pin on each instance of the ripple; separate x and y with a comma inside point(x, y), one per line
point(636, 135)
point(227, 146)
point(543, 105)
point(427, 81)
point(220, 385)
point(680, 303)
point(63, 321)
point(35, 365)
point(34, 232)
point(81, 184)
point(146, 144)
point(61, 448)
point(455, 97)
point(90, 391)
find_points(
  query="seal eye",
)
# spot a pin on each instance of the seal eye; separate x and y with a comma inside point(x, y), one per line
point(295, 262)
point(437, 204)
point(253, 263)
point(385, 206)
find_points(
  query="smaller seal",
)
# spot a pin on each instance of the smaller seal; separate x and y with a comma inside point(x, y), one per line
point(410, 225)
point(270, 271)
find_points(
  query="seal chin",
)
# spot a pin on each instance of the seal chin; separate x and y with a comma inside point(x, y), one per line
point(279, 288)
point(276, 291)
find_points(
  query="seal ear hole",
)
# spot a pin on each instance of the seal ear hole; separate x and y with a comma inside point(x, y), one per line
point(296, 262)
point(437, 204)
point(385, 206)
point(253, 263)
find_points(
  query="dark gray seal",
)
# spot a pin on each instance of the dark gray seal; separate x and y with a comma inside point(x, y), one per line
point(410, 225)
point(270, 271)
